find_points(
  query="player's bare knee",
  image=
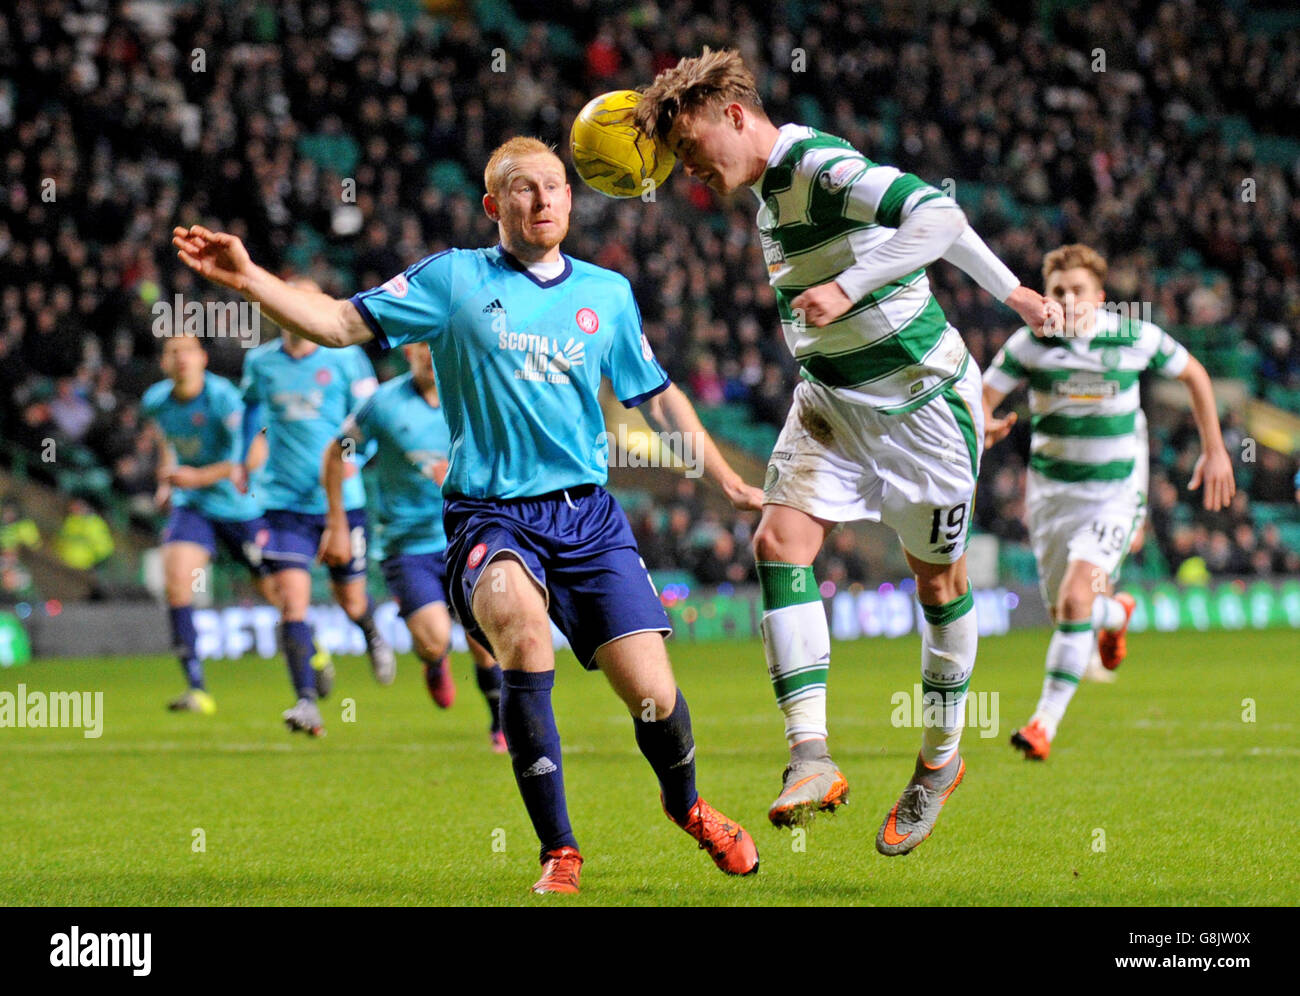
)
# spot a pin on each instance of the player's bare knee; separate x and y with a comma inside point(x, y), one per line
point(939, 588)
point(771, 545)
point(1075, 603)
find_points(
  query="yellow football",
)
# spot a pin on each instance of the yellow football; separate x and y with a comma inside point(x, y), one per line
point(610, 154)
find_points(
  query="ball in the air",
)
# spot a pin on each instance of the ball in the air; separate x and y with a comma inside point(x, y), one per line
point(610, 154)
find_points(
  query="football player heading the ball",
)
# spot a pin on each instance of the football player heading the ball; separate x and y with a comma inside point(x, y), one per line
point(886, 424)
point(521, 336)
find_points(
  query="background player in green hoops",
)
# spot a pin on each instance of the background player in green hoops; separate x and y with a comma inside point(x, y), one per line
point(887, 423)
point(1086, 488)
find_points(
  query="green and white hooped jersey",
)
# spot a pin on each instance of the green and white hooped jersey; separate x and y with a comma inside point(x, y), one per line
point(823, 206)
point(1083, 394)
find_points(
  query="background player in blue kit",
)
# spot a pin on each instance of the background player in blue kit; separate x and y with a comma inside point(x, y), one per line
point(200, 418)
point(302, 393)
point(520, 336)
point(405, 421)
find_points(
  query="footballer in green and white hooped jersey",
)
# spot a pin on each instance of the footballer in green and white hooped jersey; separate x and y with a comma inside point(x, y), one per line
point(1086, 490)
point(886, 425)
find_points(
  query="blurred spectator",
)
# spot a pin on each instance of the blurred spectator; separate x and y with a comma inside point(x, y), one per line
point(724, 562)
point(17, 530)
point(84, 540)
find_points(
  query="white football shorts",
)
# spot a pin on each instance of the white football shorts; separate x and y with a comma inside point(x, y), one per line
point(915, 472)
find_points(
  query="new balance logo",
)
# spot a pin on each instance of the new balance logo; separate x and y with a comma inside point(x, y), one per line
point(494, 308)
point(542, 766)
point(945, 549)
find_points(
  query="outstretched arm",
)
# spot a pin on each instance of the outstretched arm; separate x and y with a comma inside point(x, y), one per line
point(671, 411)
point(970, 254)
point(222, 258)
point(1214, 466)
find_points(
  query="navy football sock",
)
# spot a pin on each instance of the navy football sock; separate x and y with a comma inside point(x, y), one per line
point(185, 640)
point(298, 652)
point(534, 744)
point(489, 683)
point(669, 746)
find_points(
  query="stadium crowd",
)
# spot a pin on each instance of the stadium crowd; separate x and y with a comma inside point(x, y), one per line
point(347, 141)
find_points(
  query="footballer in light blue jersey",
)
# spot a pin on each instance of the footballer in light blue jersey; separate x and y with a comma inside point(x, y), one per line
point(520, 337)
point(199, 416)
point(301, 394)
point(524, 358)
point(405, 422)
point(301, 398)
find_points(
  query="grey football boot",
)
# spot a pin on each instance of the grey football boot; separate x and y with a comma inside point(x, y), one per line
point(810, 784)
point(914, 814)
point(383, 662)
point(305, 717)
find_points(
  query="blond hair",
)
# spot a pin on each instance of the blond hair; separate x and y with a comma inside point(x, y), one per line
point(1072, 256)
point(709, 79)
point(504, 156)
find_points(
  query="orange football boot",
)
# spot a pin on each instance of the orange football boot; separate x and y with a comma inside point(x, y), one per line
point(560, 870)
point(730, 847)
point(1032, 739)
point(1112, 644)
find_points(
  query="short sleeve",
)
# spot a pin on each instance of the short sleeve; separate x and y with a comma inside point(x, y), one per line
point(152, 399)
point(1009, 368)
point(853, 187)
point(361, 378)
point(413, 306)
point(229, 409)
point(356, 426)
point(1168, 356)
point(629, 362)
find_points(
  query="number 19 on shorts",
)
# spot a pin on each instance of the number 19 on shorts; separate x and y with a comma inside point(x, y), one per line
point(947, 525)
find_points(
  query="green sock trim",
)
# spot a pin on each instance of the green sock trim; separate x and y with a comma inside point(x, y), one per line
point(786, 584)
point(1081, 626)
point(942, 615)
point(1066, 676)
point(795, 683)
point(948, 690)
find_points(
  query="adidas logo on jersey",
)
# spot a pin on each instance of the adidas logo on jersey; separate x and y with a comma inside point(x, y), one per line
point(542, 766)
point(495, 308)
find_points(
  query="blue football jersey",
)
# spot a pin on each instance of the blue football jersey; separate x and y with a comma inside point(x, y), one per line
point(302, 403)
point(411, 456)
point(205, 430)
point(519, 362)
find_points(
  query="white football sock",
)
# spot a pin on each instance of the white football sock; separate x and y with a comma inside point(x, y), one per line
point(948, 642)
point(1107, 613)
point(1067, 659)
point(797, 645)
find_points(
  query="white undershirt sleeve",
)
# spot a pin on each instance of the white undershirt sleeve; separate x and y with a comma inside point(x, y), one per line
point(922, 237)
point(970, 254)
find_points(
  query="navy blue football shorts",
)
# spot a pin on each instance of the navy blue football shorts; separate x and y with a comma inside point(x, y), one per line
point(245, 540)
point(578, 548)
point(416, 580)
point(295, 538)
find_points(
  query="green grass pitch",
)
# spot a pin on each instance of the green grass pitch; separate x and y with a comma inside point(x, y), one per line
point(1192, 803)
